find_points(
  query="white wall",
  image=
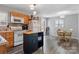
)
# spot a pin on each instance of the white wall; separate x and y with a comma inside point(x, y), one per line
point(7, 10)
point(78, 26)
point(70, 22)
point(51, 24)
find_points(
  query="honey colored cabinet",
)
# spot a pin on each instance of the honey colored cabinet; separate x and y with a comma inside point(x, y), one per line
point(3, 49)
point(9, 36)
point(21, 15)
point(26, 19)
point(16, 14)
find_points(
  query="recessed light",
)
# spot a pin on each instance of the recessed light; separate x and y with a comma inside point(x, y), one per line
point(62, 16)
point(63, 12)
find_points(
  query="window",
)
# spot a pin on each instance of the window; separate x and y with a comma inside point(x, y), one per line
point(3, 19)
point(59, 23)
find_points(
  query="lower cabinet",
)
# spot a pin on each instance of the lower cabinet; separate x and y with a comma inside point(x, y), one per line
point(10, 38)
point(3, 49)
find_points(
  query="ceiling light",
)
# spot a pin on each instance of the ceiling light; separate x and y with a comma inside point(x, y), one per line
point(32, 6)
point(34, 12)
point(63, 12)
point(62, 16)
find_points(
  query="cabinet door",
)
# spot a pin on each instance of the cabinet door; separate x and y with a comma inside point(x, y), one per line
point(34, 42)
point(3, 49)
point(26, 19)
point(27, 44)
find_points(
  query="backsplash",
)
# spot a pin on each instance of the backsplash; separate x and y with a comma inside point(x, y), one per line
point(3, 28)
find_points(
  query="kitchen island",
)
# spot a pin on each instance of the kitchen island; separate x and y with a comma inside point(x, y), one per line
point(32, 42)
point(9, 37)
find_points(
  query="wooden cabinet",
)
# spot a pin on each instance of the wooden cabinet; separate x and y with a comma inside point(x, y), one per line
point(3, 49)
point(16, 14)
point(26, 19)
point(9, 36)
point(3, 34)
point(21, 15)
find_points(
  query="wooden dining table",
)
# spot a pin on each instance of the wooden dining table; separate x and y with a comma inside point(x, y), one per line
point(64, 35)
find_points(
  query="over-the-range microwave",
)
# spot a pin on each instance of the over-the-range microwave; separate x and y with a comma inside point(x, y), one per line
point(16, 19)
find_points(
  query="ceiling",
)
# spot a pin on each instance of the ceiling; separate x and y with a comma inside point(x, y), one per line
point(46, 9)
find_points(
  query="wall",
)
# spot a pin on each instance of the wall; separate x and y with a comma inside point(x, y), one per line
point(70, 22)
point(78, 26)
point(51, 25)
point(7, 10)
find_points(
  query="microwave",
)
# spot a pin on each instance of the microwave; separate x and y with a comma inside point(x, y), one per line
point(17, 19)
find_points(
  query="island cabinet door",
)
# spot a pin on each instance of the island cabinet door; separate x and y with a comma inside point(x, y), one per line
point(34, 42)
point(30, 43)
point(27, 45)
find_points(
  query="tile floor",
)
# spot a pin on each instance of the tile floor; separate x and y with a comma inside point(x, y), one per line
point(52, 45)
point(19, 50)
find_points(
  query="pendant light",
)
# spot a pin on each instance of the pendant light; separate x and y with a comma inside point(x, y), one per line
point(32, 6)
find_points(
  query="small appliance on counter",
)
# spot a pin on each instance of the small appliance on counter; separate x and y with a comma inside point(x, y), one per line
point(16, 19)
point(24, 27)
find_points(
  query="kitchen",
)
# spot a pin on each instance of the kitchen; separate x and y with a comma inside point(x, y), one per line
point(39, 28)
point(13, 24)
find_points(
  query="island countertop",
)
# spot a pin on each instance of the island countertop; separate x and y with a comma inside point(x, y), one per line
point(30, 32)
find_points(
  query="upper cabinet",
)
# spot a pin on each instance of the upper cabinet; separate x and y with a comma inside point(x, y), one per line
point(19, 17)
point(26, 19)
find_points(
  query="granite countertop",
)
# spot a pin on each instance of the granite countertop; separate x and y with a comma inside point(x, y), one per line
point(30, 32)
point(3, 41)
point(6, 31)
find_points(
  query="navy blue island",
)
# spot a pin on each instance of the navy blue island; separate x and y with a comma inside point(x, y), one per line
point(32, 42)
